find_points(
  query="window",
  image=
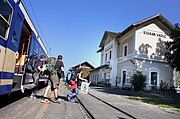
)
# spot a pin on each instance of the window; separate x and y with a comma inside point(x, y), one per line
point(154, 76)
point(5, 17)
point(106, 57)
point(125, 50)
point(110, 55)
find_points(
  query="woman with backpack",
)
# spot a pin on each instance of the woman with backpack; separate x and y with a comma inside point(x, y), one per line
point(53, 82)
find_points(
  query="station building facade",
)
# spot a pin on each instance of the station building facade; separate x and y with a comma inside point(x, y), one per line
point(140, 47)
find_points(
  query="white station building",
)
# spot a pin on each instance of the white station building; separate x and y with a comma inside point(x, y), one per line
point(139, 47)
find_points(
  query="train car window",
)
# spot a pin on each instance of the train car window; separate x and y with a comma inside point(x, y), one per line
point(3, 27)
point(5, 17)
point(31, 46)
point(34, 46)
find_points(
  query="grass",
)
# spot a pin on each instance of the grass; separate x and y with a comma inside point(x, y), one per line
point(177, 110)
point(156, 100)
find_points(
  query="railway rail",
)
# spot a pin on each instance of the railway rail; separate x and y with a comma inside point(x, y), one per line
point(92, 116)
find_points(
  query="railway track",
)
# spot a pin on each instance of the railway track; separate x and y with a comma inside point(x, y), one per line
point(91, 115)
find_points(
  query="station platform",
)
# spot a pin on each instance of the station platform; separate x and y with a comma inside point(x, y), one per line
point(95, 105)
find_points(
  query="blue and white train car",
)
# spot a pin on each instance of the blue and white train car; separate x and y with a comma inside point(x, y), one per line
point(18, 40)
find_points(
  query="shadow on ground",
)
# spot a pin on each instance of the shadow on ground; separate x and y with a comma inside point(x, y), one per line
point(14, 96)
point(8, 99)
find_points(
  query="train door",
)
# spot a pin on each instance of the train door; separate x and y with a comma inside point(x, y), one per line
point(23, 49)
point(12, 45)
point(31, 50)
point(22, 55)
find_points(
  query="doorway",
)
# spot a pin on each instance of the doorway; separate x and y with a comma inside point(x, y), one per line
point(23, 49)
point(124, 75)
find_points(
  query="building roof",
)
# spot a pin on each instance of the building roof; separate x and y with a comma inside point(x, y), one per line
point(106, 34)
point(101, 67)
point(100, 49)
point(176, 33)
point(156, 16)
point(82, 65)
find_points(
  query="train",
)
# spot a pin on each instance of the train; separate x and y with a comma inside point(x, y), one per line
point(19, 39)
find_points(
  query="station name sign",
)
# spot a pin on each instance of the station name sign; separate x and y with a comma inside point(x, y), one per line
point(154, 34)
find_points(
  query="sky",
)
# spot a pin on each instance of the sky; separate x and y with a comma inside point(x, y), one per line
point(74, 28)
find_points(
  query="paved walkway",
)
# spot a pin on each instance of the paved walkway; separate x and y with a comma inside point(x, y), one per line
point(138, 109)
point(27, 108)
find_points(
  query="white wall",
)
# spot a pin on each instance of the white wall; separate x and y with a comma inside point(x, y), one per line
point(113, 63)
point(150, 34)
point(111, 45)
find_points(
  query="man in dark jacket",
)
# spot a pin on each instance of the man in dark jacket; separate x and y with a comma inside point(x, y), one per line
point(59, 66)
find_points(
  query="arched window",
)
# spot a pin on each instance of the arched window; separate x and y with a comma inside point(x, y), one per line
point(154, 76)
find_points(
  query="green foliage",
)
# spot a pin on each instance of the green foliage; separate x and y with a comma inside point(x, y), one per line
point(172, 53)
point(138, 80)
point(163, 86)
point(159, 101)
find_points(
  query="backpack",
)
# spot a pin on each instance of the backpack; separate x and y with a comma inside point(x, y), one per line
point(51, 64)
point(71, 75)
point(30, 65)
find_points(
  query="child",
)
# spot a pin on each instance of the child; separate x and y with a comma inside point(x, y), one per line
point(73, 85)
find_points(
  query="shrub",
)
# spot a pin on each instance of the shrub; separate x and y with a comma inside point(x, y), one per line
point(163, 86)
point(138, 80)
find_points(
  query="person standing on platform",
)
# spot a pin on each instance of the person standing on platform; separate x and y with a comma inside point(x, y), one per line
point(59, 66)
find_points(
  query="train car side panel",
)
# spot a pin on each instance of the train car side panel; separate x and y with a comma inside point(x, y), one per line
point(15, 30)
point(7, 72)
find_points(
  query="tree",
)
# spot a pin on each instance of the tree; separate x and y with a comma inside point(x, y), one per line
point(173, 49)
point(138, 80)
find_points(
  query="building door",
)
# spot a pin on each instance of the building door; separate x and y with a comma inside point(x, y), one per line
point(123, 77)
point(104, 79)
point(154, 78)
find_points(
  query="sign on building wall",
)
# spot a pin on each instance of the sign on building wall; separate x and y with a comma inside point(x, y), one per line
point(150, 40)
